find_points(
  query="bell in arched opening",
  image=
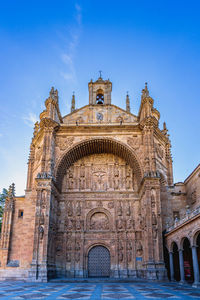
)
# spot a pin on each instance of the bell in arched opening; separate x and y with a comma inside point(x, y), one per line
point(100, 97)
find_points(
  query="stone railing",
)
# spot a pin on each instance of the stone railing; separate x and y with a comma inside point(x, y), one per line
point(188, 216)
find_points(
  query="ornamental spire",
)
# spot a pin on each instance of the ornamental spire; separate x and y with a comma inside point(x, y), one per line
point(127, 103)
point(145, 91)
point(73, 103)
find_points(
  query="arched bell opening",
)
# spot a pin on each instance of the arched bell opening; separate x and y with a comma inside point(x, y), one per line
point(100, 97)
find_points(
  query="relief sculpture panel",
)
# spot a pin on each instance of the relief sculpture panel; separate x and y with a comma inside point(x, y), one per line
point(99, 221)
point(99, 172)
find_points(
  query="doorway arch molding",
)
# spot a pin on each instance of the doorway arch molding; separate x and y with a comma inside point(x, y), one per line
point(97, 146)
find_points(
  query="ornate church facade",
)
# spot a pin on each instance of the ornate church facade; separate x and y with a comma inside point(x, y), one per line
point(99, 195)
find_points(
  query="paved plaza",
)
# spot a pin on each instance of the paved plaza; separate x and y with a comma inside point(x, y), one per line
point(94, 291)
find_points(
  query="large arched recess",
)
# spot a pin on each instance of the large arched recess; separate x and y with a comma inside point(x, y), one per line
point(95, 146)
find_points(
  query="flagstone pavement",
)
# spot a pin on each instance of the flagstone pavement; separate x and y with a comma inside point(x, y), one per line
point(95, 291)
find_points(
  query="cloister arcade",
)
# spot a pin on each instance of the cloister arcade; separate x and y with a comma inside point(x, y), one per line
point(183, 255)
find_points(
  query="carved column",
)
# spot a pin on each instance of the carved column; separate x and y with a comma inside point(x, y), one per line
point(195, 267)
point(41, 236)
point(153, 229)
point(171, 263)
point(181, 263)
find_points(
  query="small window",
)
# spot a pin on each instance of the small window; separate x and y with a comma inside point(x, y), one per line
point(20, 213)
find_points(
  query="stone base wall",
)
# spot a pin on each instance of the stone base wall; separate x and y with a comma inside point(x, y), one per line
point(14, 274)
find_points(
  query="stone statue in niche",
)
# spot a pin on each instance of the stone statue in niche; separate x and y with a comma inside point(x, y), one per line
point(41, 232)
point(79, 224)
point(77, 256)
point(42, 218)
point(70, 173)
point(116, 171)
point(82, 170)
point(129, 245)
point(139, 248)
point(69, 209)
point(119, 210)
point(130, 224)
point(154, 219)
point(120, 245)
point(78, 209)
point(120, 224)
point(128, 210)
point(81, 183)
point(68, 257)
point(129, 256)
point(153, 202)
point(116, 182)
point(44, 199)
point(77, 246)
point(120, 255)
point(69, 247)
point(59, 249)
point(155, 230)
point(129, 251)
point(111, 204)
point(99, 203)
point(70, 224)
point(99, 221)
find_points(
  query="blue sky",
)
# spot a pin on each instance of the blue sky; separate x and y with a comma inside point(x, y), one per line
point(66, 43)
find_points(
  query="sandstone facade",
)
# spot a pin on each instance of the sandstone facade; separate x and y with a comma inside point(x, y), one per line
point(99, 194)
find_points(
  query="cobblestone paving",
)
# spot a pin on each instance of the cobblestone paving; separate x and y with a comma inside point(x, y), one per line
point(95, 291)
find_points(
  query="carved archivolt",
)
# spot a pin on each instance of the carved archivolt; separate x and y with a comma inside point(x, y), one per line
point(97, 146)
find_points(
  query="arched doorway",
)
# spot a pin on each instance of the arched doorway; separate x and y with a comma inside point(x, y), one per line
point(176, 262)
point(188, 265)
point(99, 262)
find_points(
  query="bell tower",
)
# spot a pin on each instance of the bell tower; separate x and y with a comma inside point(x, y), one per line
point(100, 91)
